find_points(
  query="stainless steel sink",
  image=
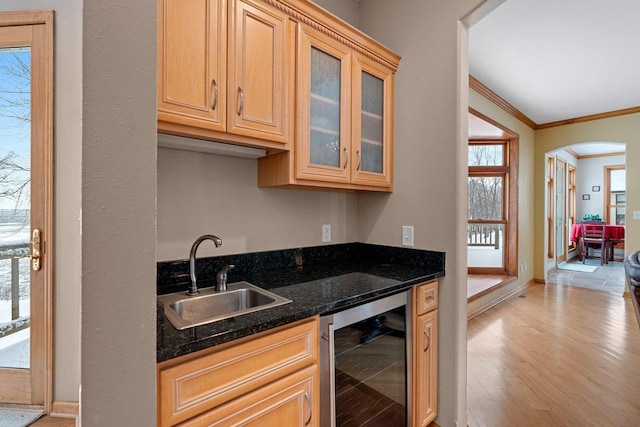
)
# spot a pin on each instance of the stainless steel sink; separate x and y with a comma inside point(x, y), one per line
point(210, 306)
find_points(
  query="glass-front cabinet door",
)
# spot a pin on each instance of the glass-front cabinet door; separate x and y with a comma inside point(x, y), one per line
point(324, 100)
point(372, 123)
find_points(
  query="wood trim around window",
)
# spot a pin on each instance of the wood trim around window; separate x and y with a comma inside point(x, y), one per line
point(551, 185)
point(607, 190)
point(510, 209)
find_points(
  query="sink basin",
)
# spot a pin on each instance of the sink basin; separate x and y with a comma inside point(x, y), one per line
point(210, 306)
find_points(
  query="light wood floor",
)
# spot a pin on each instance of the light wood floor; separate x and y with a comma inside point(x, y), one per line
point(480, 284)
point(54, 422)
point(561, 356)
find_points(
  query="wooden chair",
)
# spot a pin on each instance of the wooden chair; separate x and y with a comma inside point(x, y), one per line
point(612, 243)
point(593, 235)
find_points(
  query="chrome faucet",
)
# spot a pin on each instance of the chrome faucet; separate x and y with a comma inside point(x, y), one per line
point(193, 288)
point(221, 278)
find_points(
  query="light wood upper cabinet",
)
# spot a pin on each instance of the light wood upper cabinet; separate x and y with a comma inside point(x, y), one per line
point(225, 71)
point(324, 95)
point(284, 75)
point(344, 116)
point(192, 51)
point(260, 81)
point(372, 123)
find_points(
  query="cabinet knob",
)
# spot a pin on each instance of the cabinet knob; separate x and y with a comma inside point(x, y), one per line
point(430, 298)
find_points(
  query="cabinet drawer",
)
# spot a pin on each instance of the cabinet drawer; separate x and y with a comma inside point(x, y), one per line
point(289, 401)
point(192, 387)
point(426, 297)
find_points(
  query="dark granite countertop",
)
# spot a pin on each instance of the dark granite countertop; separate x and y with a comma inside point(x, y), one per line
point(318, 280)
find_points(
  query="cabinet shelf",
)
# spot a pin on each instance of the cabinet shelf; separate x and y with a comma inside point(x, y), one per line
point(372, 115)
point(325, 130)
point(321, 98)
point(371, 141)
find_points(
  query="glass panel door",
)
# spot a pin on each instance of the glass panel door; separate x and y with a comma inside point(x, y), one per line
point(324, 137)
point(26, 202)
point(561, 206)
point(324, 100)
point(370, 372)
point(15, 147)
point(372, 121)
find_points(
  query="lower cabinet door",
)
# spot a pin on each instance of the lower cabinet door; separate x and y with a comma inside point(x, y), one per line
point(290, 401)
point(426, 368)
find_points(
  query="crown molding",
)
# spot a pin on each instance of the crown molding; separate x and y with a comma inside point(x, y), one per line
point(591, 117)
point(483, 90)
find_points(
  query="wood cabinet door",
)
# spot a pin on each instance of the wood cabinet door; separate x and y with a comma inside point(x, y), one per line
point(324, 108)
point(291, 401)
point(214, 377)
point(372, 123)
point(260, 71)
point(192, 46)
point(426, 368)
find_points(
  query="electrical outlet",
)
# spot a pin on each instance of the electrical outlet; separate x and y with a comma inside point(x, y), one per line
point(326, 233)
point(636, 214)
point(407, 235)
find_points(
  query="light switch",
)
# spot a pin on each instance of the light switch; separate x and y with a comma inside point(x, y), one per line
point(407, 235)
point(326, 233)
point(636, 214)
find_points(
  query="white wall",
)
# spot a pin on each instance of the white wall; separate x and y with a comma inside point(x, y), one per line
point(67, 179)
point(590, 172)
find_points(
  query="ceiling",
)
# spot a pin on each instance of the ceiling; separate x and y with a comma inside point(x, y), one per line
point(555, 60)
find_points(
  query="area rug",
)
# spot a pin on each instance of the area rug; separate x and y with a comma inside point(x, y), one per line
point(16, 418)
point(582, 268)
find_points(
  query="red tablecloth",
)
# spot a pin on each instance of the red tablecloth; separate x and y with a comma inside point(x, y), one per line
point(610, 232)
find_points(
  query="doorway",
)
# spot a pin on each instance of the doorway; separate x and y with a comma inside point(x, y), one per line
point(26, 194)
point(492, 205)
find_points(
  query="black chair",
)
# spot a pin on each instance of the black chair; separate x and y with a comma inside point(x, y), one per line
point(632, 271)
point(593, 236)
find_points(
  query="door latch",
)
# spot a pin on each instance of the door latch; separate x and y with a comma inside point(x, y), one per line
point(36, 252)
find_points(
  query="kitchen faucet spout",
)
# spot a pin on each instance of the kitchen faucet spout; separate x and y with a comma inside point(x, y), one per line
point(193, 288)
